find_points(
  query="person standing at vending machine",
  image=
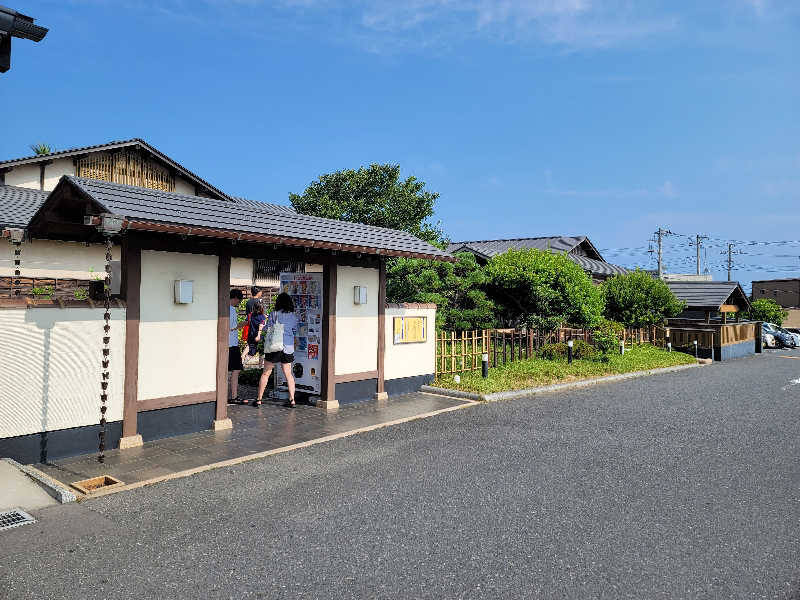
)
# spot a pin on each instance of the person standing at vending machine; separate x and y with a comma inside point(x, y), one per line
point(283, 314)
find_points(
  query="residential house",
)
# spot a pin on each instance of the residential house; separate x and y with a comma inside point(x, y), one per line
point(578, 248)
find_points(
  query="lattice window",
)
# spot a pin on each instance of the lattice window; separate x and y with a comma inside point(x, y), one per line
point(125, 167)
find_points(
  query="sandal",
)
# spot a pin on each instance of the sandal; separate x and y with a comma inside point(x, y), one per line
point(241, 400)
point(290, 403)
point(256, 403)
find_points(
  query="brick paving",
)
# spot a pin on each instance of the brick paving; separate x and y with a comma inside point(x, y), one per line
point(254, 430)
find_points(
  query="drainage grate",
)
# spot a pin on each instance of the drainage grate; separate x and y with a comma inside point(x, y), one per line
point(14, 518)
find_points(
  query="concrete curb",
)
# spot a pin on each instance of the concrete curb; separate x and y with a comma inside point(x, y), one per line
point(513, 394)
point(50, 485)
point(235, 461)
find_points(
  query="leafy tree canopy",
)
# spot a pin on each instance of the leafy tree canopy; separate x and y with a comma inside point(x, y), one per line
point(543, 289)
point(454, 287)
point(372, 195)
point(637, 299)
point(767, 310)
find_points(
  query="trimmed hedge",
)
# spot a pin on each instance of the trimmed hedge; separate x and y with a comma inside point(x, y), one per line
point(580, 349)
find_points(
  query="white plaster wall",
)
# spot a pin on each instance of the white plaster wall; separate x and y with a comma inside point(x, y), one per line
point(55, 170)
point(47, 258)
point(242, 271)
point(407, 360)
point(24, 176)
point(356, 324)
point(183, 187)
point(177, 342)
point(51, 368)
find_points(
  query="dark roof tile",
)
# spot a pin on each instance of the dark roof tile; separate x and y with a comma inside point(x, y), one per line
point(18, 205)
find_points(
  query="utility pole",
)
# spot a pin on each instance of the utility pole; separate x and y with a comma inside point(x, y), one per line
point(730, 260)
point(660, 233)
point(698, 243)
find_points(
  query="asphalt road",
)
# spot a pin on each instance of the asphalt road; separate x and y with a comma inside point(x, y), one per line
point(684, 485)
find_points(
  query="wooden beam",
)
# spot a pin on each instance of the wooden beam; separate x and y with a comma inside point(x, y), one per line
point(328, 391)
point(223, 330)
point(131, 289)
point(381, 392)
point(348, 377)
point(173, 401)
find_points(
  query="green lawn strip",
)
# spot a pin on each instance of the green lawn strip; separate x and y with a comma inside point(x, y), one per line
point(537, 372)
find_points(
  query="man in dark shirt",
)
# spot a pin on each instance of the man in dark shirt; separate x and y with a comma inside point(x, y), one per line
point(255, 298)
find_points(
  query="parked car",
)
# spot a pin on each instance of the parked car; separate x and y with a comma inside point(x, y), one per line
point(781, 337)
point(795, 333)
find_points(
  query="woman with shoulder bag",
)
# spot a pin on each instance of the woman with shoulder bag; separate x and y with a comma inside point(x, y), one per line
point(276, 350)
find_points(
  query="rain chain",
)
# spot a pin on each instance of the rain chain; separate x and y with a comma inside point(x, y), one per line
point(17, 261)
point(106, 351)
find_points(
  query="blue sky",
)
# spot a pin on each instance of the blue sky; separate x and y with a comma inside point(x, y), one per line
point(607, 118)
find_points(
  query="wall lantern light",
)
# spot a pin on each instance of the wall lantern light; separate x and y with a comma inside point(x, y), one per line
point(184, 291)
point(359, 294)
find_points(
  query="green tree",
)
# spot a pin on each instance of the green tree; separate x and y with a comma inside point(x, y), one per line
point(373, 195)
point(637, 299)
point(539, 288)
point(767, 310)
point(454, 287)
point(42, 149)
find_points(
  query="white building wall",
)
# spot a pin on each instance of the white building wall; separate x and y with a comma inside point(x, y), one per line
point(242, 271)
point(356, 324)
point(52, 259)
point(409, 360)
point(183, 187)
point(55, 170)
point(177, 342)
point(51, 368)
point(24, 176)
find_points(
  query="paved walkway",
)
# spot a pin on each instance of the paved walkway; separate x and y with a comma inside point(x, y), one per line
point(255, 430)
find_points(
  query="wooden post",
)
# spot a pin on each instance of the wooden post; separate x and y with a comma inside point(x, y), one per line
point(328, 384)
point(131, 288)
point(221, 420)
point(380, 393)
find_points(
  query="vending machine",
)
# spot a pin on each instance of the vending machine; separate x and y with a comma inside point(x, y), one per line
point(305, 289)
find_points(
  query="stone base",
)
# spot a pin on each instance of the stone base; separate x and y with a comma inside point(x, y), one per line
point(328, 404)
point(381, 396)
point(221, 424)
point(131, 441)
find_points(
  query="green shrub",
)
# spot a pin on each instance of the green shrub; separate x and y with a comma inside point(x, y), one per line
point(580, 349)
point(81, 293)
point(606, 336)
point(251, 377)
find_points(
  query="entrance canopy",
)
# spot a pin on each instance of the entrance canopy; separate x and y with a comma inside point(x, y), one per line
point(64, 216)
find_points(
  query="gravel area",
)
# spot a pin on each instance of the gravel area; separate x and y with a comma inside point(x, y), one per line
point(682, 485)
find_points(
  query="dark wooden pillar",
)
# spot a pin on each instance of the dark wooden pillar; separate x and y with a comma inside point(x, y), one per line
point(381, 392)
point(328, 391)
point(130, 287)
point(221, 420)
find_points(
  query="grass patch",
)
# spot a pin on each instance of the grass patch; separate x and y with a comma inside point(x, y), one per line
point(539, 371)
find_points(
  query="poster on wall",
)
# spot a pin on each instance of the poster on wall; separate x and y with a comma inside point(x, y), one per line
point(305, 289)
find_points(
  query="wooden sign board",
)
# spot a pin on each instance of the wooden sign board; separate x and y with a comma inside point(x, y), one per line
point(410, 330)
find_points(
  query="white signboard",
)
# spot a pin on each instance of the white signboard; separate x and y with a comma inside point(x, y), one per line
point(305, 289)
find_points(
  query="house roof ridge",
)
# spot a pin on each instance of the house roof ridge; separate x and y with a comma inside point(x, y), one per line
point(519, 239)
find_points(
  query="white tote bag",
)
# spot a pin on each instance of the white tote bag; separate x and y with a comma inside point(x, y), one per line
point(273, 341)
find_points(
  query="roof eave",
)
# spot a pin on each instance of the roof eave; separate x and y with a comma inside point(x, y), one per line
point(240, 236)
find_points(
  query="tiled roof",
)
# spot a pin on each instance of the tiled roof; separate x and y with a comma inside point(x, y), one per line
point(18, 205)
point(111, 146)
point(265, 206)
point(708, 295)
point(489, 248)
point(153, 206)
point(597, 267)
